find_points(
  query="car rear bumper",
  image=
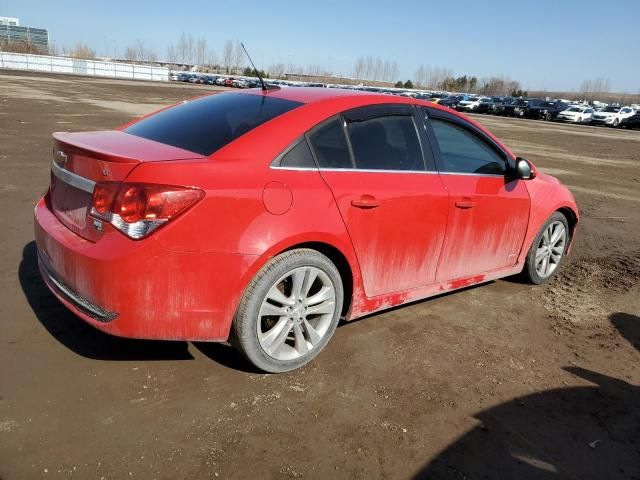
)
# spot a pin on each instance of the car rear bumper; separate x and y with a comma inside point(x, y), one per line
point(140, 289)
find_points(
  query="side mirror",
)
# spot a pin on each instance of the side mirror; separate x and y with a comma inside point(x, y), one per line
point(524, 170)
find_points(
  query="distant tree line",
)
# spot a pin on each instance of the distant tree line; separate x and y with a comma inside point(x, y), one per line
point(21, 47)
point(191, 51)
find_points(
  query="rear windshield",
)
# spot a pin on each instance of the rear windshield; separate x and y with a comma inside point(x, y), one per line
point(207, 124)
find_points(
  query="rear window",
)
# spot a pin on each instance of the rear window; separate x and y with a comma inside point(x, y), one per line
point(207, 124)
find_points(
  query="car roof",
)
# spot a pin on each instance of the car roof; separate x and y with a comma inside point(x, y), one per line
point(316, 95)
point(308, 94)
point(329, 101)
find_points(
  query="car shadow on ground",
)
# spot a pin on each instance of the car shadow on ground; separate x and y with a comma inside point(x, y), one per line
point(590, 432)
point(226, 355)
point(77, 335)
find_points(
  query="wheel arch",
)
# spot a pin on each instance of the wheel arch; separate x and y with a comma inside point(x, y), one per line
point(572, 219)
point(339, 259)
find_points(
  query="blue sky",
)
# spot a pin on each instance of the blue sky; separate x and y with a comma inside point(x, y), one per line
point(544, 44)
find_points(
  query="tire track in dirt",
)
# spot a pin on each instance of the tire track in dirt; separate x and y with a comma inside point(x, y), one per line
point(581, 295)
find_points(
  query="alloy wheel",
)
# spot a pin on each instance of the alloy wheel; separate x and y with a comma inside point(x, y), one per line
point(550, 249)
point(296, 313)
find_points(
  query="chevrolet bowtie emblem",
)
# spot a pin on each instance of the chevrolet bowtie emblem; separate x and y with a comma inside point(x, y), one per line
point(61, 158)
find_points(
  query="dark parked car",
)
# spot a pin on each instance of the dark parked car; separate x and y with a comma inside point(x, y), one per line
point(438, 97)
point(513, 108)
point(631, 122)
point(486, 104)
point(545, 110)
point(451, 101)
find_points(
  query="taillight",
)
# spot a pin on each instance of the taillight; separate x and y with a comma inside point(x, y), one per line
point(103, 196)
point(137, 209)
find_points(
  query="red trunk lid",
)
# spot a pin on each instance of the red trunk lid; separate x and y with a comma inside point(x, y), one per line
point(85, 158)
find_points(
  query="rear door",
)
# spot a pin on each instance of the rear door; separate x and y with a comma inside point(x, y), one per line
point(488, 210)
point(392, 200)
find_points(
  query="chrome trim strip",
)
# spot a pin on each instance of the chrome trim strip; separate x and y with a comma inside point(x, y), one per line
point(499, 175)
point(308, 169)
point(370, 170)
point(72, 179)
point(299, 169)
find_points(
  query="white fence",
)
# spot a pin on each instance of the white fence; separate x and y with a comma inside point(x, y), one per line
point(74, 66)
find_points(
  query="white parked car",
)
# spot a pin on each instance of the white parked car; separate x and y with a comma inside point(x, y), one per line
point(470, 104)
point(576, 114)
point(612, 116)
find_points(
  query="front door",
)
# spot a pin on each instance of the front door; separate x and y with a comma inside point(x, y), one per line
point(488, 210)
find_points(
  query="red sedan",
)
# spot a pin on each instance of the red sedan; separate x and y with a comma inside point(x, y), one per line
point(264, 217)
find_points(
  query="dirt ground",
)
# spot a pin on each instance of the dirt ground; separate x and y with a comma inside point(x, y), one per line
point(504, 380)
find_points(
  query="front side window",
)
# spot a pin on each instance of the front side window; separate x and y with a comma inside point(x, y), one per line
point(464, 152)
point(386, 143)
point(329, 145)
point(205, 125)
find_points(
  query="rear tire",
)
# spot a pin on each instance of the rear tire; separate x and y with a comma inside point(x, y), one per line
point(289, 311)
point(548, 250)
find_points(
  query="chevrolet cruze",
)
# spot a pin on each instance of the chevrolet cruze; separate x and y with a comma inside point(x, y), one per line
point(263, 217)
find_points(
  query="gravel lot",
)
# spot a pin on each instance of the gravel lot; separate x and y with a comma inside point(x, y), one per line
point(504, 380)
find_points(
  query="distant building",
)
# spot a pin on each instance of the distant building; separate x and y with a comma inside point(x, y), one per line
point(14, 22)
point(12, 33)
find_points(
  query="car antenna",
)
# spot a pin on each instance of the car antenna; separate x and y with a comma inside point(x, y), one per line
point(265, 87)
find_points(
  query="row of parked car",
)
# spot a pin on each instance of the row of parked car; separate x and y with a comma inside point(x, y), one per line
point(535, 108)
point(220, 80)
point(541, 109)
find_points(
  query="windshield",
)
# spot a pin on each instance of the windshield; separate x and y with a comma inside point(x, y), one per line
point(209, 123)
point(611, 109)
point(574, 109)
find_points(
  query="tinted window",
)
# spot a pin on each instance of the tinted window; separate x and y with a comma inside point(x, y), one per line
point(208, 124)
point(386, 143)
point(463, 152)
point(299, 156)
point(330, 146)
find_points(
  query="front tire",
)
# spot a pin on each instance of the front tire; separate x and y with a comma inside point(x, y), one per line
point(289, 311)
point(548, 250)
